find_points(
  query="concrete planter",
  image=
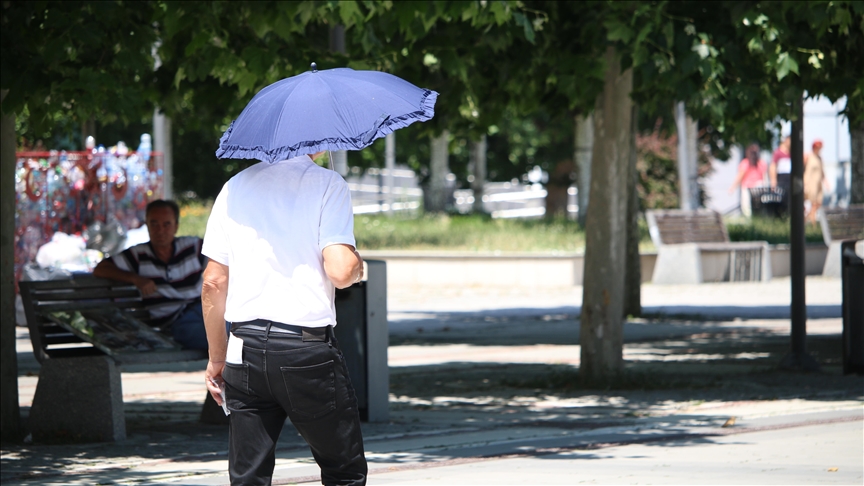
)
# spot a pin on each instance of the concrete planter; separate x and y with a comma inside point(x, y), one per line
point(442, 269)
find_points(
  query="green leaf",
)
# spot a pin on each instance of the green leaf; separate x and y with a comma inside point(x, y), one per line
point(640, 55)
point(669, 33)
point(500, 11)
point(179, 76)
point(755, 45)
point(784, 65)
point(349, 12)
point(526, 26)
point(643, 33)
point(617, 31)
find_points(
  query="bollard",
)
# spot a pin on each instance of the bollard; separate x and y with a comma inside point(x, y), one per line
point(361, 317)
point(852, 268)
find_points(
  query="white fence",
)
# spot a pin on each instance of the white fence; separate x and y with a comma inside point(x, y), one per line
point(370, 194)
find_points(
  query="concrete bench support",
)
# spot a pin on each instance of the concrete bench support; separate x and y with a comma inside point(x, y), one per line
point(692, 263)
point(839, 225)
point(694, 247)
point(77, 400)
point(832, 267)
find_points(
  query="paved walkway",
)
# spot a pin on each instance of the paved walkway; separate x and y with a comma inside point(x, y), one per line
point(483, 391)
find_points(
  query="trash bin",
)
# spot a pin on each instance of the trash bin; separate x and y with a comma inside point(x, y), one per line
point(361, 316)
point(769, 202)
point(852, 268)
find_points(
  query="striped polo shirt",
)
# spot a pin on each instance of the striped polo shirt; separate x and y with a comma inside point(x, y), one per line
point(177, 282)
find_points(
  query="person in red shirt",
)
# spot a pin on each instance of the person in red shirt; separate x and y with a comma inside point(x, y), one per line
point(780, 171)
point(751, 173)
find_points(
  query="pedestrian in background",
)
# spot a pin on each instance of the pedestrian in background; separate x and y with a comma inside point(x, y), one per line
point(751, 173)
point(780, 171)
point(814, 181)
point(280, 239)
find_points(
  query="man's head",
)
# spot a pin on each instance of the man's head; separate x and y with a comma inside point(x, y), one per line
point(162, 221)
point(817, 146)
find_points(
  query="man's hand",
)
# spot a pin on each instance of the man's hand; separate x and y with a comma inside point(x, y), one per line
point(360, 273)
point(213, 378)
point(108, 269)
point(146, 286)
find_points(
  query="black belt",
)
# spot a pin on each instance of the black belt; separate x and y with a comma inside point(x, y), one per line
point(307, 333)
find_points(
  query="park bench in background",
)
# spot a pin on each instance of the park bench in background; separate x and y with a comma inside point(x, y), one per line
point(79, 393)
point(838, 225)
point(693, 247)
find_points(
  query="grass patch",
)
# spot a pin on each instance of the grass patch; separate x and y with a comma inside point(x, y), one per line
point(469, 233)
point(193, 218)
point(482, 234)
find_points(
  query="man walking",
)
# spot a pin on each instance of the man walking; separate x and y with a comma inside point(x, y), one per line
point(280, 239)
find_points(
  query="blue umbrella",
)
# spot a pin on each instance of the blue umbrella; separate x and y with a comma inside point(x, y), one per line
point(332, 109)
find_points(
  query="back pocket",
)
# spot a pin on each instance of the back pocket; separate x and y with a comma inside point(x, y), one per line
point(311, 389)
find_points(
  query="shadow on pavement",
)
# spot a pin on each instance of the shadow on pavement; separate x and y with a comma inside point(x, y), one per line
point(676, 382)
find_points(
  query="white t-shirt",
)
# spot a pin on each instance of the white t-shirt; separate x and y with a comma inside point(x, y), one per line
point(269, 225)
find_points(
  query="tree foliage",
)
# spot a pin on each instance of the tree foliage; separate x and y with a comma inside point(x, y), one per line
point(80, 60)
point(501, 67)
point(739, 65)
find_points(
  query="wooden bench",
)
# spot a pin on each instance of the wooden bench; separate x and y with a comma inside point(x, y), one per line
point(79, 393)
point(839, 225)
point(694, 247)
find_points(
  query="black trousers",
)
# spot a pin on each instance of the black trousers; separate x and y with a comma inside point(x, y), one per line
point(285, 375)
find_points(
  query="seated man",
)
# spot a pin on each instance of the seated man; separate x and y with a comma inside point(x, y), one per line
point(167, 270)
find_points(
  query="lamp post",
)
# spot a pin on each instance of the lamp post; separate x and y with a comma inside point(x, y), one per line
point(798, 358)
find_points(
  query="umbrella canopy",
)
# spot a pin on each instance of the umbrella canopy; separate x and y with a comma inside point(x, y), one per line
point(331, 109)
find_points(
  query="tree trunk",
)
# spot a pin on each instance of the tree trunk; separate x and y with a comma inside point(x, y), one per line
point(339, 161)
point(478, 170)
point(435, 198)
point(557, 187)
point(856, 133)
point(584, 143)
point(10, 419)
point(633, 277)
point(162, 143)
point(688, 187)
point(390, 165)
point(88, 129)
point(601, 335)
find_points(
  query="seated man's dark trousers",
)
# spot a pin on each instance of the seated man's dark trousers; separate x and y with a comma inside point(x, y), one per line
point(302, 377)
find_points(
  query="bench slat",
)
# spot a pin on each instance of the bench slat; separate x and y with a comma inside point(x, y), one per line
point(73, 352)
point(40, 298)
point(79, 306)
point(842, 223)
point(67, 338)
point(670, 227)
point(86, 294)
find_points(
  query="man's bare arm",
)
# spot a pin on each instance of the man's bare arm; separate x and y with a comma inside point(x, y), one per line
point(108, 269)
point(214, 295)
point(343, 265)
